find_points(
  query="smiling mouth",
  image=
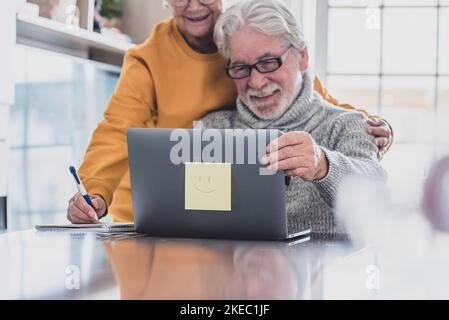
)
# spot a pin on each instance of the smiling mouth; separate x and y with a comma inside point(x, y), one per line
point(202, 191)
point(198, 19)
point(263, 98)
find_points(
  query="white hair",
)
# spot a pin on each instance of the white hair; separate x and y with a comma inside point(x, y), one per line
point(269, 17)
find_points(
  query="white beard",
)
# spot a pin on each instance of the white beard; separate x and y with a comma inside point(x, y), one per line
point(277, 111)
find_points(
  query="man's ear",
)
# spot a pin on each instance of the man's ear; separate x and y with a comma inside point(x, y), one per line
point(304, 60)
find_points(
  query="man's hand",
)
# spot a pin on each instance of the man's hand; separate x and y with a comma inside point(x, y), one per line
point(382, 135)
point(79, 212)
point(298, 155)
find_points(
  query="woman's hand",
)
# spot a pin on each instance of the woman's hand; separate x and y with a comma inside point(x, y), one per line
point(382, 135)
point(79, 212)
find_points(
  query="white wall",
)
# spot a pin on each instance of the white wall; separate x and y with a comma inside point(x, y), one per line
point(140, 16)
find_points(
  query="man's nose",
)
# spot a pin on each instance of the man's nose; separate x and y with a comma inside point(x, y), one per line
point(194, 5)
point(257, 80)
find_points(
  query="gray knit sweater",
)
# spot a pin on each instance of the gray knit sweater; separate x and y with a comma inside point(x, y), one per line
point(342, 136)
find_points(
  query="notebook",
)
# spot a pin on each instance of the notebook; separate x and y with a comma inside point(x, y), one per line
point(113, 227)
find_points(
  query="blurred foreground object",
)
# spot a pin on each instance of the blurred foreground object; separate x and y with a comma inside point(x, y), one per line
point(364, 208)
point(435, 201)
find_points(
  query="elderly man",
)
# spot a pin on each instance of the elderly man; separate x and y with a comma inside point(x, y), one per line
point(269, 63)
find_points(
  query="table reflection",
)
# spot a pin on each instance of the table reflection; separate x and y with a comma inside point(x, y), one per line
point(42, 266)
point(177, 269)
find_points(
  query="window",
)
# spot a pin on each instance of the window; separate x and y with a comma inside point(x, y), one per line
point(390, 57)
point(59, 101)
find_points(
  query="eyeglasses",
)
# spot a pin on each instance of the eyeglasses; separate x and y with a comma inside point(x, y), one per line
point(242, 71)
point(185, 3)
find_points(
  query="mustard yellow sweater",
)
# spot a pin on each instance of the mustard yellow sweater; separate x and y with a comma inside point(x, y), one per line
point(164, 84)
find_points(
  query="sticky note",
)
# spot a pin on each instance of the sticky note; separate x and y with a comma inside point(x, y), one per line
point(208, 186)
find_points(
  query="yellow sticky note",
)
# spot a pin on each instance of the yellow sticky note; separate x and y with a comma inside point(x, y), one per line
point(208, 186)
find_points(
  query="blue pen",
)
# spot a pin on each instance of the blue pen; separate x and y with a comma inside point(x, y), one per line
point(80, 187)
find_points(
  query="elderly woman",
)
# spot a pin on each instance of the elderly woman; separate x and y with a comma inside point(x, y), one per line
point(269, 63)
point(174, 78)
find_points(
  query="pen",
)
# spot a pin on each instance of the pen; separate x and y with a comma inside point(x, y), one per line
point(80, 186)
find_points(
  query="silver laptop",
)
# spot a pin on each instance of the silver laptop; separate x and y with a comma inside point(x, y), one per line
point(206, 184)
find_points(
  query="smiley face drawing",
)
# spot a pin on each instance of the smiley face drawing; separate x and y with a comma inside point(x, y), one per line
point(204, 185)
point(208, 186)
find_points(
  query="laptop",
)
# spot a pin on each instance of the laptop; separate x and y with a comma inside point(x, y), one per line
point(206, 184)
